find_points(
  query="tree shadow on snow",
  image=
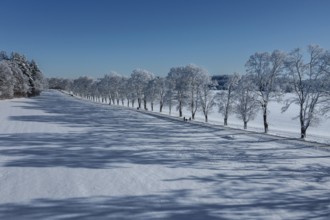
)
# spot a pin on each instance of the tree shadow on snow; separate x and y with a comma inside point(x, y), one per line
point(113, 135)
point(263, 176)
point(171, 205)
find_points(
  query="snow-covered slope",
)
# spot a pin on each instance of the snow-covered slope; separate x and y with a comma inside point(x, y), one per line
point(62, 158)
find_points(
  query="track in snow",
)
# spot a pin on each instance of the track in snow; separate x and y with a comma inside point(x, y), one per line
point(62, 158)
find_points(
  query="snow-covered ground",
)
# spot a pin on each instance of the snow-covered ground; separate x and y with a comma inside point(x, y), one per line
point(282, 124)
point(63, 158)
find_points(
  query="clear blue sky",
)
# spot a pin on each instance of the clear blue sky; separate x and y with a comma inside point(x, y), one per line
point(71, 38)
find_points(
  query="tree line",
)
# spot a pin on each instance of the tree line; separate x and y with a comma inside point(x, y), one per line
point(268, 75)
point(19, 77)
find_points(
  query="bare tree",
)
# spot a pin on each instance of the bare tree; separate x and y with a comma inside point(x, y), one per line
point(131, 95)
point(177, 78)
point(265, 68)
point(106, 88)
point(103, 89)
point(140, 79)
point(114, 80)
point(207, 97)
point(82, 86)
point(152, 92)
point(246, 105)
point(161, 91)
point(326, 69)
point(309, 80)
point(169, 95)
point(196, 78)
point(226, 97)
point(122, 90)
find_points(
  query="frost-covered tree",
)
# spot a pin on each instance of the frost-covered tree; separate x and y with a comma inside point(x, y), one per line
point(123, 91)
point(197, 79)
point(25, 76)
point(326, 100)
point(226, 97)
point(7, 80)
point(38, 78)
point(152, 92)
point(103, 89)
point(140, 79)
point(178, 78)
point(310, 81)
point(114, 86)
point(246, 104)
point(94, 92)
point(23, 64)
point(106, 88)
point(161, 88)
point(170, 93)
point(22, 81)
point(131, 95)
point(82, 86)
point(3, 56)
point(59, 83)
point(207, 97)
point(265, 68)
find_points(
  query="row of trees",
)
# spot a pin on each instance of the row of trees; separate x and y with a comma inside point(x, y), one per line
point(244, 95)
point(19, 77)
point(185, 86)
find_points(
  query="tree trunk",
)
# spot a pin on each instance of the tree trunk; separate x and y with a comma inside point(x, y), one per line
point(139, 103)
point(160, 106)
point(245, 125)
point(265, 118)
point(303, 133)
point(302, 124)
point(192, 110)
point(225, 120)
point(145, 104)
point(152, 106)
point(180, 109)
point(205, 118)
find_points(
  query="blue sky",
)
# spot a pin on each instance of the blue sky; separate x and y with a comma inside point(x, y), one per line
point(70, 38)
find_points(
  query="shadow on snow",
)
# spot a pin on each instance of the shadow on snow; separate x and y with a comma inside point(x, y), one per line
point(114, 138)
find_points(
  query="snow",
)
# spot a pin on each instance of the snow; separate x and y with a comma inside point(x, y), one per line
point(64, 158)
point(280, 124)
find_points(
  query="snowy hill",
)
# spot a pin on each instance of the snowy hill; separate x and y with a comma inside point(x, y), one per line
point(63, 158)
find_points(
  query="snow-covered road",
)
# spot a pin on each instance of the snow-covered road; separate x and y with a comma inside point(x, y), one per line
point(62, 158)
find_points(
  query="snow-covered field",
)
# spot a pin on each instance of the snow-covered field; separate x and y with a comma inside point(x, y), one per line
point(63, 158)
